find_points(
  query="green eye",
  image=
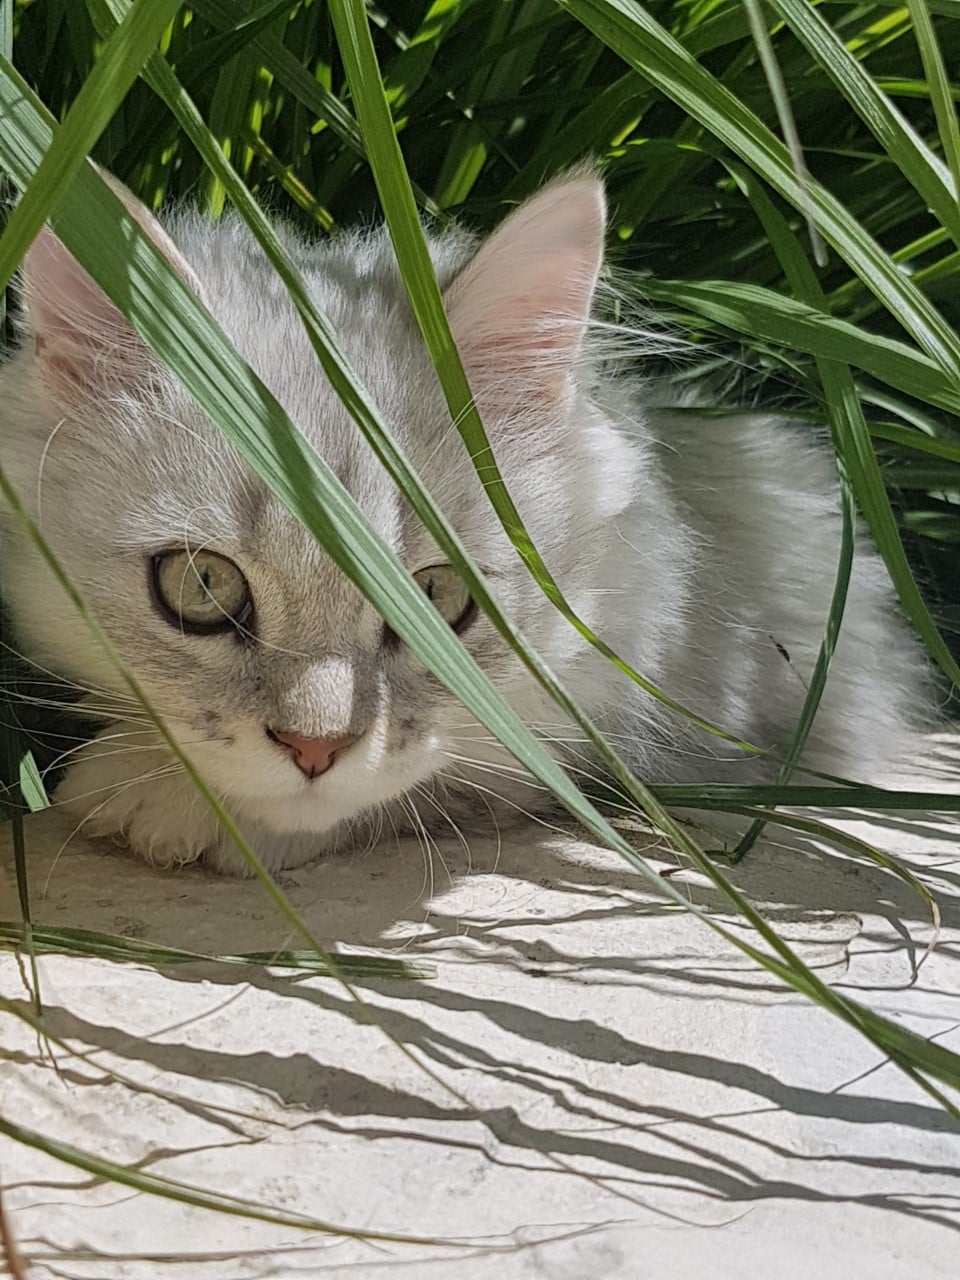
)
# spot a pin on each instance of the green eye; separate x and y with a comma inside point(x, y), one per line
point(450, 597)
point(200, 590)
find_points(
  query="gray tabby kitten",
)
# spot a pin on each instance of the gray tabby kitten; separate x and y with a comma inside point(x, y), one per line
point(703, 551)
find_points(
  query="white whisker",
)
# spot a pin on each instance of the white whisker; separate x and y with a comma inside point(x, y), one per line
point(72, 684)
point(434, 803)
point(43, 460)
point(476, 786)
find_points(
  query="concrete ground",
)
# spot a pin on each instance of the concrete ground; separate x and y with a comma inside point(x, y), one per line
point(591, 1085)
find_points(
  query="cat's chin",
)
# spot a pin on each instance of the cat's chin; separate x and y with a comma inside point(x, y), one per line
point(318, 809)
point(291, 817)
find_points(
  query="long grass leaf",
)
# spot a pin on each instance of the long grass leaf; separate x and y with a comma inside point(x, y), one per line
point(844, 413)
point(788, 123)
point(185, 1193)
point(721, 795)
point(117, 67)
point(860, 474)
point(49, 940)
point(940, 90)
point(918, 164)
point(751, 309)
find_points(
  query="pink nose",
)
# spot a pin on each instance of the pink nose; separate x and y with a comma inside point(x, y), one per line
point(312, 756)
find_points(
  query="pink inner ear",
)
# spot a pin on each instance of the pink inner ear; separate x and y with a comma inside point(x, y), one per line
point(57, 286)
point(519, 309)
point(83, 343)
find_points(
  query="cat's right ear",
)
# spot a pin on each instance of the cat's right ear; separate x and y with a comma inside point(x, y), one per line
point(519, 310)
point(84, 345)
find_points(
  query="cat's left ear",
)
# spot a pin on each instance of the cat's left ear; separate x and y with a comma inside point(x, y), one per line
point(84, 344)
point(519, 310)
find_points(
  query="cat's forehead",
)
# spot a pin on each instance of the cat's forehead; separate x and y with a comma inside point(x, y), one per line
point(208, 494)
point(354, 282)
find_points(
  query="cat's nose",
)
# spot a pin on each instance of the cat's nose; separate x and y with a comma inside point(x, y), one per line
point(312, 756)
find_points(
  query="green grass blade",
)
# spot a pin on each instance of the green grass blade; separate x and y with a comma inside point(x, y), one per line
point(48, 940)
point(12, 759)
point(940, 89)
point(788, 123)
point(116, 69)
point(184, 1193)
point(752, 310)
point(918, 164)
point(717, 795)
point(31, 784)
point(911, 439)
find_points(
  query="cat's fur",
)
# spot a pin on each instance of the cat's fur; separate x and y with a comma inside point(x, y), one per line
point(702, 550)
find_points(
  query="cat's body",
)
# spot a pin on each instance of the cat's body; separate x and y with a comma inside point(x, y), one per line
point(702, 550)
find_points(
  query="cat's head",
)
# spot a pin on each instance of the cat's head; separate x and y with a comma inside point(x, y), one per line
point(280, 679)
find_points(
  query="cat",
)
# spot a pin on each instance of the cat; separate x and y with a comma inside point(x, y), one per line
point(702, 549)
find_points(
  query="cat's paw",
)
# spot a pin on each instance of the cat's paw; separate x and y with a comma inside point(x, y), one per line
point(141, 799)
point(273, 850)
point(170, 826)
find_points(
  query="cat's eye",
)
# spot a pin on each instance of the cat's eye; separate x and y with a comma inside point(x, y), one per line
point(451, 598)
point(200, 590)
